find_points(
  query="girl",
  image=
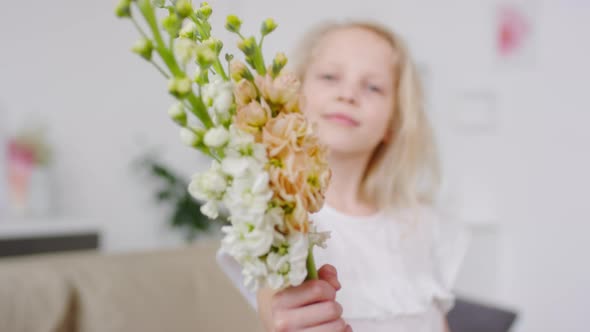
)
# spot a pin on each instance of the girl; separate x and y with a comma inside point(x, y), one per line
point(391, 265)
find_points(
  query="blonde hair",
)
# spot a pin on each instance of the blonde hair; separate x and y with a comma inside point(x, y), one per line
point(404, 171)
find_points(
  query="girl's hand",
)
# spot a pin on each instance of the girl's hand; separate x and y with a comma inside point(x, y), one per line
point(309, 307)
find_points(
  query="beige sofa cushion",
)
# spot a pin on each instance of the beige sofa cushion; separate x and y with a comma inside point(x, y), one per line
point(174, 290)
point(33, 298)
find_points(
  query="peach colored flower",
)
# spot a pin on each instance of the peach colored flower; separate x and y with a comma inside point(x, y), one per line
point(282, 90)
point(244, 92)
point(298, 219)
point(284, 130)
point(293, 106)
point(298, 170)
point(238, 70)
point(252, 118)
point(314, 190)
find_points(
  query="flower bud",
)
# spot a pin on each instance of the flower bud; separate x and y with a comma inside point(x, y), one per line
point(144, 48)
point(185, 50)
point(201, 76)
point(205, 56)
point(189, 137)
point(245, 92)
point(278, 64)
point(216, 137)
point(176, 112)
point(189, 30)
point(123, 9)
point(248, 46)
point(239, 71)
point(179, 87)
point(205, 11)
point(184, 8)
point(213, 44)
point(233, 23)
point(172, 24)
point(268, 26)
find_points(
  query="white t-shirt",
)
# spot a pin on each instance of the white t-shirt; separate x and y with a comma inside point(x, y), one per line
point(396, 269)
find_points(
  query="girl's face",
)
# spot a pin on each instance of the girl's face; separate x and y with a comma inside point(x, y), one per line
point(349, 90)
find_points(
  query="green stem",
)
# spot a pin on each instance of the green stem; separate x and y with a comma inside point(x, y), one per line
point(160, 69)
point(148, 13)
point(229, 68)
point(261, 41)
point(139, 28)
point(206, 151)
point(312, 272)
point(202, 34)
point(219, 69)
point(259, 62)
point(188, 106)
point(199, 110)
point(221, 153)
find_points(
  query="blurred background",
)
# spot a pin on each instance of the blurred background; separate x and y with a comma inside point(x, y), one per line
point(507, 91)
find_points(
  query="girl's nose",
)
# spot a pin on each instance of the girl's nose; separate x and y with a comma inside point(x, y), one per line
point(347, 94)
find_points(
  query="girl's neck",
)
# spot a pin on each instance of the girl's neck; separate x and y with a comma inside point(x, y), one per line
point(344, 192)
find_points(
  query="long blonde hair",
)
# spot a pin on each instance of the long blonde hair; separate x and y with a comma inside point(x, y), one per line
point(404, 170)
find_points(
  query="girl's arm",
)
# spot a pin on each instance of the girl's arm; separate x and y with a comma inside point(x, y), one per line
point(264, 298)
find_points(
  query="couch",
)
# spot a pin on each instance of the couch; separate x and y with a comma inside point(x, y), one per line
point(172, 290)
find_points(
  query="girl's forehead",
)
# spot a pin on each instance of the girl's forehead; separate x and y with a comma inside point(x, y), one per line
point(354, 45)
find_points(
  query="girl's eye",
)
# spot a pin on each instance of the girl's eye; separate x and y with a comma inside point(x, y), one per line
point(328, 77)
point(374, 88)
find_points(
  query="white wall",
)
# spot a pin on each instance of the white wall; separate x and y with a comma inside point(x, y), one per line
point(68, 62)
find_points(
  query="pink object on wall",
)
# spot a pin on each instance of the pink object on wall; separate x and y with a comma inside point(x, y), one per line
point(513, 30)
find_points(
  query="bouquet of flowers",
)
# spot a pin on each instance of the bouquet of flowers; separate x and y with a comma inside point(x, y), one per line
point(268, 168)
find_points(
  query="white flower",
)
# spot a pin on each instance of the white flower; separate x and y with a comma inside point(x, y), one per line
point(218, 94)
point(241, 166)
point(244, 240)
point(287, 265)
point(318, 238)
point(216, 137)
point(223, 101)
point(188, 137)
point(298, 251)
point(244, 198)
point(185, 50)
point(208, 93)
point(276, 217)
point(243, 144)
point(236, 167)
point(260, 184)
point(255, 220)
point(189, 30)
point(254, 272)
point(209, 185)
point(211, 209)
point(278, 266)
point(176, 112)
